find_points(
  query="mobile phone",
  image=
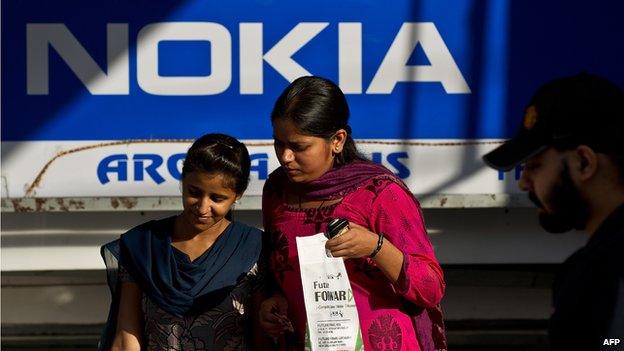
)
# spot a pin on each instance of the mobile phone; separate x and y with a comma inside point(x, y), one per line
point(336, 227)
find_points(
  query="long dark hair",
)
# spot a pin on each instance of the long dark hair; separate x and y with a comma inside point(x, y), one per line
point(220, 153)
point(318, 108)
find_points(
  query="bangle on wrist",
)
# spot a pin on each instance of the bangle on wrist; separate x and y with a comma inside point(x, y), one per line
point(380, 240)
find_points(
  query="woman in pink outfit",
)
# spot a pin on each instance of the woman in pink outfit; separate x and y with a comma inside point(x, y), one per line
point(396, 280)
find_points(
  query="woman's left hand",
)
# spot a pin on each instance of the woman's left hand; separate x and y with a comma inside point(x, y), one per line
point(356, 242)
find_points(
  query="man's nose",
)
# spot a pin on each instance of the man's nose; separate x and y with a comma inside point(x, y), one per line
point(525, 183)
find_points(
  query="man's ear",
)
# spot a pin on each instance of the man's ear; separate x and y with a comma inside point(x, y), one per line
point(586, 162)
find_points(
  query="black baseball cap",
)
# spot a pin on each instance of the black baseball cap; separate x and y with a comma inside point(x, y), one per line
point(583, 109)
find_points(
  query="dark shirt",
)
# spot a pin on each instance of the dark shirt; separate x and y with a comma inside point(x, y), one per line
point(217, 287)
point(588, 292)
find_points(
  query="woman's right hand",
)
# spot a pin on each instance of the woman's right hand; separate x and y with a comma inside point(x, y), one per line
point(274, 316)
point(129, 325)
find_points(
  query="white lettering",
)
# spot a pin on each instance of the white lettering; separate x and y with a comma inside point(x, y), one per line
point(40, 36)
point(280, 55)
point(394, 69)
point(251, 61)
point(220, 75)
point(350, 57)
point(611, 342)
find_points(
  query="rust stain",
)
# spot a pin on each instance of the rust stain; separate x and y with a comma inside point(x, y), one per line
point(17, 206)
point(129, 202)
point(114, 202)
point(40, 204)
point(157, 204)
point(77, 204)
point(443, 201)
point(62, 205)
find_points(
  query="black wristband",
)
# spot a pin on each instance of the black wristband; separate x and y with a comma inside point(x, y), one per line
point(379, 244)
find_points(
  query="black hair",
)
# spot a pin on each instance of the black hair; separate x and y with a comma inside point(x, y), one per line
point(318, 108)
point(618, 161)
point(223, 154)
point(590, 109)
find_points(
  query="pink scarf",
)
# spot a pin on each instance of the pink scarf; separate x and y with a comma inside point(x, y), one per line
point(338, 181)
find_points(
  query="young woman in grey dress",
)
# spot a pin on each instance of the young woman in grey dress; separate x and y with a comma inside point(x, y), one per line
point(190, 282)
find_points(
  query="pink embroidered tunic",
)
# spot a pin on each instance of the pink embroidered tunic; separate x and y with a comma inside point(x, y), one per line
point(401, 316)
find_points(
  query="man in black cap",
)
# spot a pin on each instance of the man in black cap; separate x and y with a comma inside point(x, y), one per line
point(572, 144)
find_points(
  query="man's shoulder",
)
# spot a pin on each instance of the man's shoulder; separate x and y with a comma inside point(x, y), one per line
point(612, 247)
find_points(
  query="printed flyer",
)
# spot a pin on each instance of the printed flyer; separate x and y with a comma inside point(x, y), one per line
point(333, 323)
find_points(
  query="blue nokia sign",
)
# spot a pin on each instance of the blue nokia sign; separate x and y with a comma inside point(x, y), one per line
point(431, 69)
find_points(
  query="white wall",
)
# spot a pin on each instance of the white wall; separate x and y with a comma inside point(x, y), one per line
point(52, 271)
